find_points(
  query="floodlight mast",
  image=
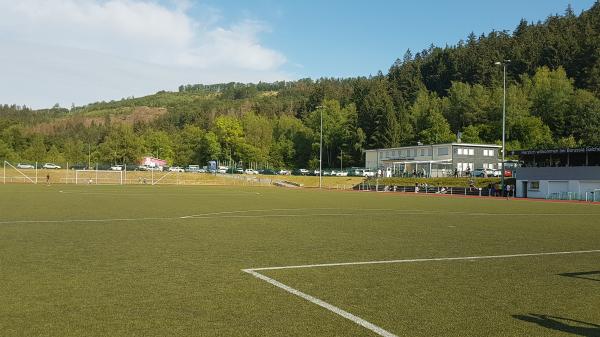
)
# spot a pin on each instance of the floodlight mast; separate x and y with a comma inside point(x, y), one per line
point(504, 63)
point(320, 108)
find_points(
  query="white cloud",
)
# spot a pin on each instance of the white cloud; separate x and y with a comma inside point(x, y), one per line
point(85, 50)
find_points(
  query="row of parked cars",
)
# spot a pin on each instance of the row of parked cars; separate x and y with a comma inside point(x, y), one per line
point(481, 173)
point(357, 172)
point(47, 166)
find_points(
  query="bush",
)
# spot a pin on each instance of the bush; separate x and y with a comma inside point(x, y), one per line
point(446, 181)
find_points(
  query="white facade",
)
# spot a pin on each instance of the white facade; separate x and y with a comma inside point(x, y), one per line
point(436, 160)
point(573, 183)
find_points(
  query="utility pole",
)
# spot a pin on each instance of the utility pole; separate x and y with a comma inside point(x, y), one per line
point(320, 108)
point(503, 64)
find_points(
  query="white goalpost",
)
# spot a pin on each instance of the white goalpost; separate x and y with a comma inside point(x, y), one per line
point(98, 177)
point(14, 174)
point(593, 196)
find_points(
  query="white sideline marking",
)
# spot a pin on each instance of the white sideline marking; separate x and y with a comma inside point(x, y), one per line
point(484, 257)
point(124, 193)
point(360, 321)
point(81, 220)
point(378, 330)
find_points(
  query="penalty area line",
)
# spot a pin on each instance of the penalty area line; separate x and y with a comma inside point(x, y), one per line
point(360, 321)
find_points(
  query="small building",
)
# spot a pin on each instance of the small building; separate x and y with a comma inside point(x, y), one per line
point(566, 174)
point(153, 162)
point(437, 160)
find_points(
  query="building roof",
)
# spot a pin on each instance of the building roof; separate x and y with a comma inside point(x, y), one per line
point(429, 145)
point(555, 151)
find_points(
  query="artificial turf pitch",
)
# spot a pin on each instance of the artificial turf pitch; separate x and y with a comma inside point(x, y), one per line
point(167, 261)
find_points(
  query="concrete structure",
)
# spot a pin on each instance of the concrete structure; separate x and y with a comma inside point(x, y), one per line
point(438, 160)
point(571, 183)
point(571, 174)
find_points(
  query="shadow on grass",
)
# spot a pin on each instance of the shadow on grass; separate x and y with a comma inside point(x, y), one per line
point(586, 275)
point(562, 324)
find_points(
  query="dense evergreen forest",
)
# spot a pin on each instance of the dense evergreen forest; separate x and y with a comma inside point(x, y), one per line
point(553, 100)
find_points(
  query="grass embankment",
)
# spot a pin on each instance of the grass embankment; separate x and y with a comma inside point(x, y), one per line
point(64, 176)
point(328, 182)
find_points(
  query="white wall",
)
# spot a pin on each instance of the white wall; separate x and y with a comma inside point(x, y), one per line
point(558, 186)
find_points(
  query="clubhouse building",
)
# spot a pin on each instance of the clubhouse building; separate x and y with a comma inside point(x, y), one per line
point(565, 174)
point(438, 160)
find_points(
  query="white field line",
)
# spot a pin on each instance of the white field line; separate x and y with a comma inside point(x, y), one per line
point(305, 209)
point(128, 194)
point(213, 215)
point(321, 303)
point(238, 214)
point(360, 321)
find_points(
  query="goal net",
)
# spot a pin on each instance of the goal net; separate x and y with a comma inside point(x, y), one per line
point(98, 177)
point(19, 173)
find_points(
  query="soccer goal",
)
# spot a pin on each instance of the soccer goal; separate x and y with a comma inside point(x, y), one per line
point(98, 177)
point(592, 196)
point(22, 173)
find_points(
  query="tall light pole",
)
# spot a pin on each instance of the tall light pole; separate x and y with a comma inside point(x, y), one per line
point(320, 108)
point(503, 64)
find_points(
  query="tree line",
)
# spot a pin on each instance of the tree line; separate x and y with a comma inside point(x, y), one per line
point(431, 96)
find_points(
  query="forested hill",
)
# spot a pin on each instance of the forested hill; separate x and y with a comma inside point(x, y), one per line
point(429, 96)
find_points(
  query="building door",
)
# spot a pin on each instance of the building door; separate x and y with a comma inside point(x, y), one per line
point(524, 187)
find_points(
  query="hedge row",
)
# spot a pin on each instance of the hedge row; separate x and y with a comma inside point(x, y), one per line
point(446, 181)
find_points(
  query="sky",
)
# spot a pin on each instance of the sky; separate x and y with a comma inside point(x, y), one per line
point(83, 51)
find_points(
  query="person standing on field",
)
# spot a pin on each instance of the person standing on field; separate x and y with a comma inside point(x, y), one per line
point(48, 179)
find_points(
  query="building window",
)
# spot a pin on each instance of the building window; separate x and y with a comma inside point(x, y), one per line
point(460, 151)
point(422, 152)
point(534, 186)
point(442, 151)
point(488, 153)
point(471, 152)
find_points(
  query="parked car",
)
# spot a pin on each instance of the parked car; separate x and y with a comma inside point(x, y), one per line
point(483, 173)
point(507, 173)
point(368, 173)
point(250, 171)
point(341, 174)
point(222, 170)
point(155, 168)
point(116, 168)
point(176, 169)
point(50, 166)
point(193, 168)
point(301, 172)
point(268, 172)
point(25, 166)
point(356, 172)
point(283, 172)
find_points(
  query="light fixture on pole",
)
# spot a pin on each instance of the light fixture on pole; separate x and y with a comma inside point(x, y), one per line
point(503, 64)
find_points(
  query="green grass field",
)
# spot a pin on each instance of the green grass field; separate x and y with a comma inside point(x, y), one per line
point(169, 260)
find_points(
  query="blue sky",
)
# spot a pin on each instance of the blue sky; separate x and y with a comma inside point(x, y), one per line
point(82, 51)
point(349, 38)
